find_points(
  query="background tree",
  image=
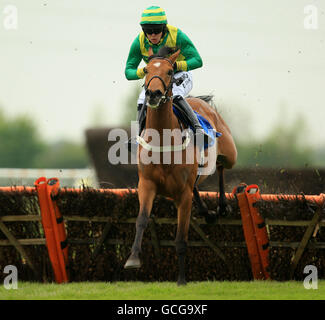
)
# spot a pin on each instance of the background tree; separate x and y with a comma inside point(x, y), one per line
point(20, 142)
point(283, 147)
point(63, 154)
point(21, 146)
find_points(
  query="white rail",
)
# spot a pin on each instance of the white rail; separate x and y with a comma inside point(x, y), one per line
point(68, 177)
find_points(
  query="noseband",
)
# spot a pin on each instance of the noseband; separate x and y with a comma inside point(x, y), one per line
point(164, 97)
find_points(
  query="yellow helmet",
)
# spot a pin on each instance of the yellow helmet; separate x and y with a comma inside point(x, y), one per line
point(153, 15)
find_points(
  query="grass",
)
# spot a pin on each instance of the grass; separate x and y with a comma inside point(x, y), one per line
point(254, 290)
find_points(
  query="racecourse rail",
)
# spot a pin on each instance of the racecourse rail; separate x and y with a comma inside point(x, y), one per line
point(254, 226)
point(318, 199)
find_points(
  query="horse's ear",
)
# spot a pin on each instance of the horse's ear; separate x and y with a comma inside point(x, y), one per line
point(150, 52)
point(174, 56)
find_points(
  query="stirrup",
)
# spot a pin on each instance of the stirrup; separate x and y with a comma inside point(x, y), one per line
point(199, 132)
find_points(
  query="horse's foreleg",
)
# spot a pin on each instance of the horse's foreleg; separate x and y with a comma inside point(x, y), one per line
point(223, 207)
point(146, 193)
point(183, 216)
point(209, 215)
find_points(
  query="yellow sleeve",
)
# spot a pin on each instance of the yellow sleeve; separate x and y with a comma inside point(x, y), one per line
point(181, 65)
point(140, 73)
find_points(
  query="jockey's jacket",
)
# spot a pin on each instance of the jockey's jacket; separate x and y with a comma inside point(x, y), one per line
point(188, 59)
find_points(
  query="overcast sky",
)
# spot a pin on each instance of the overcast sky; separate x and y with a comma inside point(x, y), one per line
point(64, 64)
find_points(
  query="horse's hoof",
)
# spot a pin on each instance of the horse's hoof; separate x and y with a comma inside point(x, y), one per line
point(211, 217)
point(132, 263)
point(224, 211)
point(181, 282)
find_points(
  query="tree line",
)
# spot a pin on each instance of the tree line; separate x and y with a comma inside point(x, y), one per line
point(22, 146)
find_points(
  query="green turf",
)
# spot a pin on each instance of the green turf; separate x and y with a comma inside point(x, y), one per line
point(261, 290)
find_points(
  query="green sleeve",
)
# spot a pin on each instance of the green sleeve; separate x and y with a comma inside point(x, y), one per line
point(133, 60)
point(188, 50)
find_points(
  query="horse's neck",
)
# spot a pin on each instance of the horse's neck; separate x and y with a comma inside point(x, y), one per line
point(161, 118)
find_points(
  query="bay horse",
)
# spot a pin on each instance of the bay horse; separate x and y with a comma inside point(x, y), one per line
point(177, 181)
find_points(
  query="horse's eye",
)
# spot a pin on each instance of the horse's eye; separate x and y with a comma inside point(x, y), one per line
point(170, 72)
point(145, 70)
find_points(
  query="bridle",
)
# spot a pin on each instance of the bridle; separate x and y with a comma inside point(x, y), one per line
point(164, 97)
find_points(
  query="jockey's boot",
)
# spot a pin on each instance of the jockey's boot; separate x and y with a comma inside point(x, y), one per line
point(141, 118)
point(188, 113)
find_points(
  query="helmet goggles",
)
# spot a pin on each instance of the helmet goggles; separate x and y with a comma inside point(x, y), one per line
point(153, 28)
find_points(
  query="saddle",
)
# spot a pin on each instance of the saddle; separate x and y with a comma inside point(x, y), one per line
point(183, 121)
point(204, 123)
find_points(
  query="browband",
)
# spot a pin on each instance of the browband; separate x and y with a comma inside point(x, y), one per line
point(161, 58)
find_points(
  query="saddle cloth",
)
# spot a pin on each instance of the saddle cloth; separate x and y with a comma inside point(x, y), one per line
point(204, 123)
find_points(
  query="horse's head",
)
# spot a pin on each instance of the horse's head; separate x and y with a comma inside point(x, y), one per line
point(159, 76)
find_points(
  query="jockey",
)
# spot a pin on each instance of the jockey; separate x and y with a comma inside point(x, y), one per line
point(156, 33)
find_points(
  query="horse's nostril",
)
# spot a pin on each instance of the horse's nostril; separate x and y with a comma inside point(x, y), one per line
point(153, 94)
point(149, 93)
point(157, 93)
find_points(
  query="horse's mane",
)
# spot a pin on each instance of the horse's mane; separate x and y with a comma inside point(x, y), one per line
point(164, 52)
